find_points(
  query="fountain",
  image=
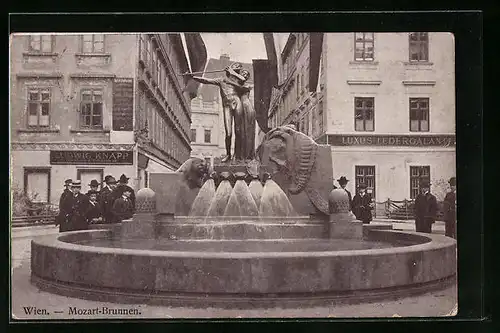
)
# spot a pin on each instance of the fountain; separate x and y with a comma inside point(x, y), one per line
point(270, 232)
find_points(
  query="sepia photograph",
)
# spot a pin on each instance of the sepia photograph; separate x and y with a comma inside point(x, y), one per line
point(232, 175)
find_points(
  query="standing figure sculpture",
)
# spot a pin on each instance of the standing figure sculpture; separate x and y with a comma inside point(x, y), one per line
point(232, 108)
point(248, 117)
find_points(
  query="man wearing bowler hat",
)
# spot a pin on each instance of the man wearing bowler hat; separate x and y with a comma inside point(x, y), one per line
point(449, 208)
point(123, 184)
point(106, 199)
point(67, 191)
point(75, 207)
point(94, 188)
point(343, 182)
point(362, 205)
point(425, 208)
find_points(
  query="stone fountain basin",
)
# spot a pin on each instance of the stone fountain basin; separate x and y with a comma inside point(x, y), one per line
point(199, 275)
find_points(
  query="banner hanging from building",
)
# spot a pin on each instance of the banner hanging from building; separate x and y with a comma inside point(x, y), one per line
point(123, 104)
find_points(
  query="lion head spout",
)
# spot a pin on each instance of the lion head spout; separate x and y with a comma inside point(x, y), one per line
point(293, 152)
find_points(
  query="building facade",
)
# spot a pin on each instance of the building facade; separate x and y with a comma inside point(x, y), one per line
point(207, 128)
point(385, 103)
point(85, 106)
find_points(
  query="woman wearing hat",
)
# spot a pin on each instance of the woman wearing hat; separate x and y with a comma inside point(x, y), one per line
point(76, 207)
point(425, 208)
point(362, 205)
point(449, 207)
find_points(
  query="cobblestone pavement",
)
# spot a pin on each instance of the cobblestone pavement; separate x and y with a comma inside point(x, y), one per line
point(25, 295)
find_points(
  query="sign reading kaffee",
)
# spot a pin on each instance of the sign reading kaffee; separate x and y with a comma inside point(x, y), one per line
point(392, 140)
point(91, 157)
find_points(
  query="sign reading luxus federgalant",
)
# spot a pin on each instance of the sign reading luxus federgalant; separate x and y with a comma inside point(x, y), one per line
point(91, 157)
point(392, 140)
point(123, 101)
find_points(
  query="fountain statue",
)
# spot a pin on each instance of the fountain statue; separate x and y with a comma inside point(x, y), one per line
point(263, 231)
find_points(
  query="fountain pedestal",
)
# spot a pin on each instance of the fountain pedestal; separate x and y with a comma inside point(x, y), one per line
point(143, 224)
point(342, 224)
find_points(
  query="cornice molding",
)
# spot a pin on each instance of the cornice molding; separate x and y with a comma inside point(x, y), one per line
point(45, 146)
point(364, 82)
point(419, 83)
point(34, 75)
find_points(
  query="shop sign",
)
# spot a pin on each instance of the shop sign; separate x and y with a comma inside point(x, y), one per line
point(114, 157)
point(392, 140)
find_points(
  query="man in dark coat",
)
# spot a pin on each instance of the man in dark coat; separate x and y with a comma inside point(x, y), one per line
point(94, 213)
point(362, 205)
point(94, 188)
point(67, 191)
point(449, 208)
point(123, 183)
point(106, 199)
point(343, 182)
point(425, 208)
point(76, 207)
point(122, 207)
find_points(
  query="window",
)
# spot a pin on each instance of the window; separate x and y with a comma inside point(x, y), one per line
point(363, 50)
point(37, 184)
point(144, 44)
point(87, 175)
point(92, 43)
point(91, 109)
point(419, 114)
point(38, 107)
point(193, 134)
point(364, 113)
point(365, 174)
point(41, 43)
point(302, 82)
point(154, 59)
point(208, 134)
point(297, 84)
point(417, 174)
point(419, 46)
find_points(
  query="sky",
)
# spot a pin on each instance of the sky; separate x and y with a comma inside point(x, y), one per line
point(241, 47)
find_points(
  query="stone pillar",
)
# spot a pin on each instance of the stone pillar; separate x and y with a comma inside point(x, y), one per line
point(342, 224)
point(143, 224)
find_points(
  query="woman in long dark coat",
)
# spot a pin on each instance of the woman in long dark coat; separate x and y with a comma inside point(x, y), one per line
point(94, 212)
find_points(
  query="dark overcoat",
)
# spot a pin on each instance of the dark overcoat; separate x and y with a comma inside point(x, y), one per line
point(61, 216)
point(94, 211)
point(425, 209)
point(361, 207)
point(76, 207)
point(122, 209)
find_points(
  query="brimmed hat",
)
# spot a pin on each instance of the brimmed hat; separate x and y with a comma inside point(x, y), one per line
point(106, 178)
point(343, 180)
point(94, 183)
point(68, 181)
point(76, 183)
point(425, 183)
point(453, 181)
point(362, 186)
point(123, 178)
point(110, 180)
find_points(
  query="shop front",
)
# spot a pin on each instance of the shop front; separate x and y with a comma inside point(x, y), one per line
point(41, 169)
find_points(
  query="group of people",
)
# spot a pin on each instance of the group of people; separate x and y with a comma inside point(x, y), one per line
point(426, 206)
point(112, 204)
point(362, 203)
point(426, 209)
